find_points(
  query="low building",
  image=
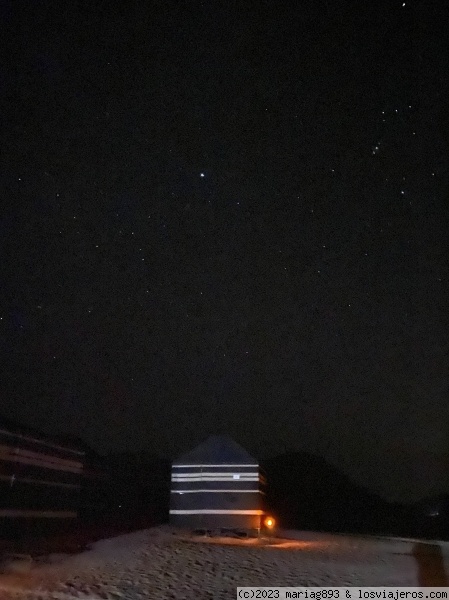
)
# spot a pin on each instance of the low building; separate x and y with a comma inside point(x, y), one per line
point(40, 479)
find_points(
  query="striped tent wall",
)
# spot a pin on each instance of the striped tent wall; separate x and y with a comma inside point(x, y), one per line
point(217, 494)
point(38, 479)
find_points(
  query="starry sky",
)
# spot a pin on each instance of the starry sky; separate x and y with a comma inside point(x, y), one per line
point(223, 216)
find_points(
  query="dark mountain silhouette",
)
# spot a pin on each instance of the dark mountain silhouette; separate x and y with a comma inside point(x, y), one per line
point(306, 492)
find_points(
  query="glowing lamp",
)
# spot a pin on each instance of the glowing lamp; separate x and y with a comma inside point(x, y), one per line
point(269, 522)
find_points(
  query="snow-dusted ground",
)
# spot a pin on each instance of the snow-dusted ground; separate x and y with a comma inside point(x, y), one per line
point(161, 563)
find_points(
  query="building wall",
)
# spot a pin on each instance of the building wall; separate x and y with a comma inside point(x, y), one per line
point(38, 479)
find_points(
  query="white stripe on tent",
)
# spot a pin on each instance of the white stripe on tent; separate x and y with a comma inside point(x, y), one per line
point(210, 465)
point(215, 474)
point(216, 512)
point(216, 491)
point(38, 513)
point(223, 473)
point(222, 479)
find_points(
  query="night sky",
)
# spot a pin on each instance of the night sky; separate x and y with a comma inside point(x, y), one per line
point(222, 216)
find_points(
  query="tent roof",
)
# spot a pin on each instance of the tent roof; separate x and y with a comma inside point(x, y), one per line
point(217, 449)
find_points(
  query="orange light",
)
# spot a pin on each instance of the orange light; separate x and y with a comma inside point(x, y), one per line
point(269, 522)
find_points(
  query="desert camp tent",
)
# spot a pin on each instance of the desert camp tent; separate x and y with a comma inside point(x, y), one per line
point(218, 485)
point(40, 478)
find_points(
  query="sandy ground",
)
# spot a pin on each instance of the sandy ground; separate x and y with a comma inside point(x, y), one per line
point(162, 563)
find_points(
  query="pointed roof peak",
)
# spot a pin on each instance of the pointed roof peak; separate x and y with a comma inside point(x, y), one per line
point(215, 450)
